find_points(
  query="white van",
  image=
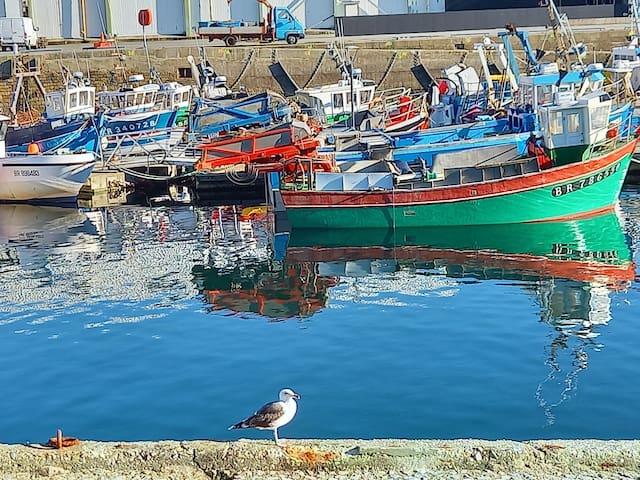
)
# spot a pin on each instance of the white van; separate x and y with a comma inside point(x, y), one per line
point(19, 31)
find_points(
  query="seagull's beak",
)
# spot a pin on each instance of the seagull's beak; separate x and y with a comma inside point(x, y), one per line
point(296, 395)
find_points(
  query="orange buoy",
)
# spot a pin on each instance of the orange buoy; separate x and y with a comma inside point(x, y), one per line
point(33, 148)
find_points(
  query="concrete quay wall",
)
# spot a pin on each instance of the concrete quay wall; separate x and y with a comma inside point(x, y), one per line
point(325, 459)
point(385, 61)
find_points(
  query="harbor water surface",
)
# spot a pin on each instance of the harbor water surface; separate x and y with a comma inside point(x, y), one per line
point(139, 323)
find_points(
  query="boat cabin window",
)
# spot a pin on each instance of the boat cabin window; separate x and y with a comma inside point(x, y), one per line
point(599, 117)
point(337, 100)
point(365, 97)
point(73, 100)
point(525, 95)
point(545, 94)
point(128, 101)
point(84, 98)
point(555, 123)
point(630, 58)
point(53, 103)
point(573, 123)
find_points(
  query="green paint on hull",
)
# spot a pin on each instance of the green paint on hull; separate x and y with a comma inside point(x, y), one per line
point(567, 155)
point(182, 117)
point(341, 117)
point(599, 190)
point(599, 239)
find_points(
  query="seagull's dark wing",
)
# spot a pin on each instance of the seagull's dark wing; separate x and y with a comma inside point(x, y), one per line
point(265, 417)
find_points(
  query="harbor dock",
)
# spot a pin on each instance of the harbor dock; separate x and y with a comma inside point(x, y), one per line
point(325, 459)
point(387, 60)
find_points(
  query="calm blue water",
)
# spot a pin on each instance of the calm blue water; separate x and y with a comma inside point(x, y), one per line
point(133, 323)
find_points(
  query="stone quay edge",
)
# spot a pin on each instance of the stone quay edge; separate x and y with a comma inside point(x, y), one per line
point(325, 459)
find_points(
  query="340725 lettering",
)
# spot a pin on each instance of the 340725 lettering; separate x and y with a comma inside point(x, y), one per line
point(131, 127)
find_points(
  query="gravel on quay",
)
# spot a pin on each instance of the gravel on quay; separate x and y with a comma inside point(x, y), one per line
point(325, 459)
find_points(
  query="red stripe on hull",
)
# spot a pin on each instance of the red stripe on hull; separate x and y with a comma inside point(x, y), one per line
point(531, 181)
point(611, 275)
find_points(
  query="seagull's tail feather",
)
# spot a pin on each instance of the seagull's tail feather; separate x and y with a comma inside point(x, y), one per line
point(242, 424)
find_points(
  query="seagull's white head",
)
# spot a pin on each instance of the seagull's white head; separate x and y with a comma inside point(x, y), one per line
point(287, 393)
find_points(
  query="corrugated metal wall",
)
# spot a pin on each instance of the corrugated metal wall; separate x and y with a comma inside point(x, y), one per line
point(96, 19)
point(170, 17)
point(205, 10)
point(247, 10)
point(10, 8)
point(369, 7)
point(391, 7)
point(124, 16)
point(70, 15)
point(63, 18)
point(47, 16)
point(319, 14)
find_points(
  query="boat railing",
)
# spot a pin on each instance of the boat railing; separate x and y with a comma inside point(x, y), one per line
point(404, 107)
point(597, 149)
point(392, 94)
point(306, 113)
point(620, 91)
point(156, 146)
point(130, 101)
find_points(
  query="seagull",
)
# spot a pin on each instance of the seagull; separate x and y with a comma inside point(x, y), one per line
point(272, 415)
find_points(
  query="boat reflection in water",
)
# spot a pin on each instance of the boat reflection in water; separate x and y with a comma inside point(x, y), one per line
point(26, 229)
point(240, 274)
point(571, 268)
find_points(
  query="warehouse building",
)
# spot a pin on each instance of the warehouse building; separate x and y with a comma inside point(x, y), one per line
point(90, 18)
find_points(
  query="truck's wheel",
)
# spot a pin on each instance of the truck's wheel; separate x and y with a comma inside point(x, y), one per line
point(292, 39)
point(231, 41)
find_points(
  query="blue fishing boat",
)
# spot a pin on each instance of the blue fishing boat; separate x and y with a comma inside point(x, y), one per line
point(210, 118)
point(142, 117)
point(69, 122)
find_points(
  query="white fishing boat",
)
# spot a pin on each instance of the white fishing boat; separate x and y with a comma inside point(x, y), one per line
point(331, 103)
point(358, 103)
point(42, 178)
point(625, 59)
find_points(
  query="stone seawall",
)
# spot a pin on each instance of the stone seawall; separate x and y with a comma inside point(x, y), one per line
point(325, 459)
point(386, 62)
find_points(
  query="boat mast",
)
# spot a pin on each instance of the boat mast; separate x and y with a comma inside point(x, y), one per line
point(564, 35)
point(635, 20)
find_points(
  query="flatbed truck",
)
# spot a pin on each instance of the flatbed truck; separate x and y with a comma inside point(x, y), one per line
point(279, 24)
